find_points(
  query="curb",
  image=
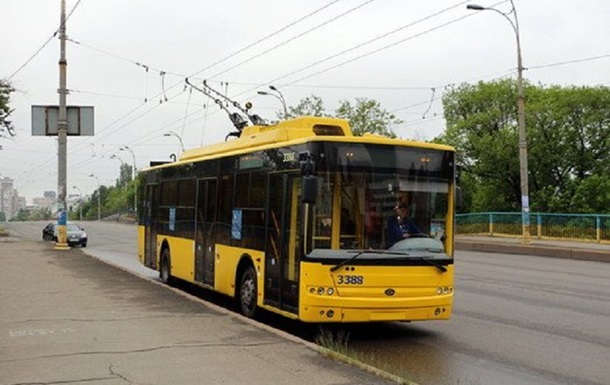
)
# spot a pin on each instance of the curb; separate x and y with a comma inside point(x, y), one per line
point(537, 250)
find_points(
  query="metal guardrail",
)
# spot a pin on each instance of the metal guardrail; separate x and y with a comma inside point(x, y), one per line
point(578, 227)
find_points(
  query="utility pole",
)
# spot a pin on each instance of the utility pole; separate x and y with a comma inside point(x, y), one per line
point(523, 167)
point(62, 136)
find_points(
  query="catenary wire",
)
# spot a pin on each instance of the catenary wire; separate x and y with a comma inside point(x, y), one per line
point(43, 45)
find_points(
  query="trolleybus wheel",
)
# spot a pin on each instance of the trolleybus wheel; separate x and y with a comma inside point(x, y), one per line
point(248, 293)
point(165, 272)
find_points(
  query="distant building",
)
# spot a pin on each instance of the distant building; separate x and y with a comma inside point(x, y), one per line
point(10, 201)
point(45, 202)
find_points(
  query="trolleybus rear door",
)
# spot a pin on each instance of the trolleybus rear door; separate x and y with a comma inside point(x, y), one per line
point(204, 244)
point(151, 207)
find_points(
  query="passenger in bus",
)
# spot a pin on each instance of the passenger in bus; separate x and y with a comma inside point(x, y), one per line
point(400, 226)
point(347, 224)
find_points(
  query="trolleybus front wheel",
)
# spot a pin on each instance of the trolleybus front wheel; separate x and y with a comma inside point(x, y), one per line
point(248, 293)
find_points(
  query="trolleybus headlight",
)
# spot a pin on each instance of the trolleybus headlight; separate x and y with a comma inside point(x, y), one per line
point(330, 313)
point(439, 290)
point(320, 290)
point(312, 290)
point(330, 291)
point(445, 290)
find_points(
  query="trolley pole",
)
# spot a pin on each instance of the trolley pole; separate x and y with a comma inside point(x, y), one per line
point(62, 135)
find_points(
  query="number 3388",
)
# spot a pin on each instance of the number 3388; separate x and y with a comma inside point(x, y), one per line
point(350, 280)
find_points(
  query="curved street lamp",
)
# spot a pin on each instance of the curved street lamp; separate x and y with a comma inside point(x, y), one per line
point(99, 192)
point(133, 155)
point(114, 156)
point(279, 96)
point(133, 177)
point(80, 202)
point(523, 167)
point(172, 133)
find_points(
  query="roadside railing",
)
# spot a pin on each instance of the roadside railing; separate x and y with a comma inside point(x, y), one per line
point(579, 227)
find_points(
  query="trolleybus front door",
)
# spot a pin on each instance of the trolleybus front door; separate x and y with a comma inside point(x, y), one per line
point(282, 257)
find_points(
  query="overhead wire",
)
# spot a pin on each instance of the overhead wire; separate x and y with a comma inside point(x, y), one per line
point(44, 44)
point(377, 50)
point(409, 38)
point(385, 35)
point(335, 18)
point(346, 62)
point(291, 24)
point(569, 62)
point(266, 37)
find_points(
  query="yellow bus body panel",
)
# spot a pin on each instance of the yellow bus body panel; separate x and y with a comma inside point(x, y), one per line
point(141, 230)
point(387, 293)
point(226, 260)
point(182, 253)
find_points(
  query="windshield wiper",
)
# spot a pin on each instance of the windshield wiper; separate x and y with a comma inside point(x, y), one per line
point(440, 267)
point(359, 253)
point(346, 261)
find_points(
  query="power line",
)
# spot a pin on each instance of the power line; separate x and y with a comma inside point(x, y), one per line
point(318, 62)
point(430, 30)
point(134, 62)
point(222, 60)
point(295, 37)
point(379, 49)
point(276, 32)
point(44, 45)
point(569, 62)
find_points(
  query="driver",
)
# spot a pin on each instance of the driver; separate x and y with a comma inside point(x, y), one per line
point(400, 226)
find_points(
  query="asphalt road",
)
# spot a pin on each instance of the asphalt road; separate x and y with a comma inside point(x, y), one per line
point(518, 319)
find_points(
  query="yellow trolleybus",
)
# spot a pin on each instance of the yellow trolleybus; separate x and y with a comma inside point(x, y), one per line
point(294, 218)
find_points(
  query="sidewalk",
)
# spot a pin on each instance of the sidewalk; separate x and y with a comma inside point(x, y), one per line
point(70, 318)
point(545, 248)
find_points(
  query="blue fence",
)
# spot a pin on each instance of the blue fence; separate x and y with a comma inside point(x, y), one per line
point(581, 227)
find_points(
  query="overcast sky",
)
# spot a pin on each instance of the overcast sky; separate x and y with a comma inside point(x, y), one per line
point(399, 52)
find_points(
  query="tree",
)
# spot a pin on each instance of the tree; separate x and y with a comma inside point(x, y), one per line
point(310, 106)
point(5, 96)
point(568, 133)
point(366, 115)
point(124, 175)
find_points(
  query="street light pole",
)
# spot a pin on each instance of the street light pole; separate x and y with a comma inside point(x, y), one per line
point(80, 203)
point(277, 97)
point(133, 176)
point(115, 156)
point(133, 155)
point(272, 88)
point(172, 133)
point(523, 167)
point(99, 192)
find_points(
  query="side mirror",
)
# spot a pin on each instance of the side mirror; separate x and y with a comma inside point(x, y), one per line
point(310, 189)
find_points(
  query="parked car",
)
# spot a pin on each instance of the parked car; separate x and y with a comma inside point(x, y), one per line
point(76, 235)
